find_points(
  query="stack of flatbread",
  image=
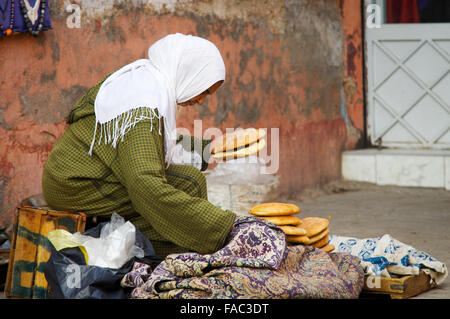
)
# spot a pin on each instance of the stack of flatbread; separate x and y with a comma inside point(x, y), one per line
point(311, 231)
point(240, 143)
point(316, 233)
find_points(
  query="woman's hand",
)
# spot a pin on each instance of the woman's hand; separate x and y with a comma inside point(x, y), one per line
point(214, 141)
point(212, 160)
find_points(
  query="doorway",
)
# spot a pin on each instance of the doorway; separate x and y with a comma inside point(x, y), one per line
point(408, 73)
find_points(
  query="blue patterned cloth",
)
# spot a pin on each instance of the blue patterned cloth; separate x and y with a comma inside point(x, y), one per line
point(385, 256)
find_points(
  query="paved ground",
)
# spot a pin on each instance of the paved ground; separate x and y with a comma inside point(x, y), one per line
point(415, 216)
point(419, 217)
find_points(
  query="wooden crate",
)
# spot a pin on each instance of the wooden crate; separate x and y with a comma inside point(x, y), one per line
point(398, 288)
point(30, 249)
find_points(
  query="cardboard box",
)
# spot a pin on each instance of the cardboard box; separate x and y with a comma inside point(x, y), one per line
point(30, 249)
point(398, 288)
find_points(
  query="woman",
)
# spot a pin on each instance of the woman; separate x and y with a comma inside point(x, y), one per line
point(117, 153)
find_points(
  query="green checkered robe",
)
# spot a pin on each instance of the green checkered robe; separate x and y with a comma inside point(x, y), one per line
point(168, 205)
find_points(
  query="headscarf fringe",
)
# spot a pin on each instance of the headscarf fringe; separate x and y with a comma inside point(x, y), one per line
point(115, 130)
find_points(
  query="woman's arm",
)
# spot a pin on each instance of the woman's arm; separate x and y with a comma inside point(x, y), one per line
point(195, 144)
point(187, 221)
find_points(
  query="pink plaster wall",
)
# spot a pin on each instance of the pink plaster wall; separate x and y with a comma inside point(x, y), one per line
point(294, 65)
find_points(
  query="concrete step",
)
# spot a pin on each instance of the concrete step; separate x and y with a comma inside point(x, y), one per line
point(411, 168)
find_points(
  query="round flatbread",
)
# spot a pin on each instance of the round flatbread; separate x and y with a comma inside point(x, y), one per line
point(321, 242)
point(319, 236)
point(282, 220)
point(328, 248)
point(314, 225)
point(302, 239)
point(274, 209)
point(242, 152)
point(293, 230)
point(239, 138)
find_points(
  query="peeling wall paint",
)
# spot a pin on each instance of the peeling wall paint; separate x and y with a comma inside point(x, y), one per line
point(353, 81)
point(295, 65)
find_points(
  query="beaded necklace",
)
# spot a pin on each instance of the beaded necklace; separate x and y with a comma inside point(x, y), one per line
point(8, 31)
point(29, 11)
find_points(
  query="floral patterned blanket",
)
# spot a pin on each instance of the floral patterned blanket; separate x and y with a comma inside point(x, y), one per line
point(255, 262)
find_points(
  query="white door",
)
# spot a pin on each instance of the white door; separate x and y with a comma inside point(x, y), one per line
point(408, 77)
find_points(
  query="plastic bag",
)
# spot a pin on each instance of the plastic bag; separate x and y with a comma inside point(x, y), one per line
point(71, 277)
point(241, 183)
point(240, 171)
point(112, 249)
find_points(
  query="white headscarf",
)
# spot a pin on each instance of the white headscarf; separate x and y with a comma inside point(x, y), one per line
point(179, 68)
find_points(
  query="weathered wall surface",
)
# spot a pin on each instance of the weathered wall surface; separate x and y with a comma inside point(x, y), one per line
point(293, 65)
